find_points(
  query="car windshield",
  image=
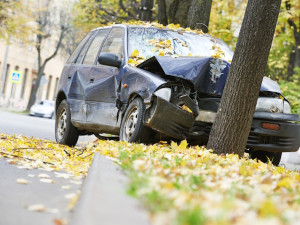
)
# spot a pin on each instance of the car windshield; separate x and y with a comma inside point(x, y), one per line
point(46, 103)
point(147, 42)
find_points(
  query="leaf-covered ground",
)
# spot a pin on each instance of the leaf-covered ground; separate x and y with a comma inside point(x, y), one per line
point(177, 183)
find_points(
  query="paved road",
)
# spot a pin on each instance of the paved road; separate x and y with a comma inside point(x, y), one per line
point(14, 123)
point(15, 198)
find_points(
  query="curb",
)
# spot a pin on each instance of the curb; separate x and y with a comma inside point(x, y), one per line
point(104, 200)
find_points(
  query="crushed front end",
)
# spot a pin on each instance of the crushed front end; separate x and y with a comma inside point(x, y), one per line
point(186, 106)
point(173, 110)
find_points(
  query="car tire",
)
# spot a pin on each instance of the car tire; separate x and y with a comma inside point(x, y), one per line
point(65, 132)
point(132, 126)
point(265, 156)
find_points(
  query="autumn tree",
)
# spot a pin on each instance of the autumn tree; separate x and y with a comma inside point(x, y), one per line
point(15, 20)
point(230, 131)
point(94, 13)
point(51, 28)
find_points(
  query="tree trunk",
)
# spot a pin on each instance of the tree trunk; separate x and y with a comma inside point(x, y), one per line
point(146, 10)
point(178, 11)
point(199, 13)
point(230, 131)
point(187, 13)
point(36, 86)
point(291, 65)
point(162, 12)
point(297, 48)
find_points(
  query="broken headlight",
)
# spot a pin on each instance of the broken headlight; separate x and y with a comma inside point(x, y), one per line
point(164, 93)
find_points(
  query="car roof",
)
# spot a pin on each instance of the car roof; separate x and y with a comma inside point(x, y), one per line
point(150, 26)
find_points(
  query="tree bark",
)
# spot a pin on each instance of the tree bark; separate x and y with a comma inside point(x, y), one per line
point(230, 131)
point(178, 11)
point(146, 10)
point(291, 65)
point(199, 13)
point(162, 12)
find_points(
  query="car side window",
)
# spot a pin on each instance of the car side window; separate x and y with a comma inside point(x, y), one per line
point(94, 47)
point(114, 42)
point(85, 48)
point(75, 53)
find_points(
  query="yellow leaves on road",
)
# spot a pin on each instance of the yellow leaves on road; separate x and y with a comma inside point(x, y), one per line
point(177, 183)
point(31, 153)
point(41, 208)
point(22, 181)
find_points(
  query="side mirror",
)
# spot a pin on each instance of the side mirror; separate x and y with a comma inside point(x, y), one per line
point(109, 59)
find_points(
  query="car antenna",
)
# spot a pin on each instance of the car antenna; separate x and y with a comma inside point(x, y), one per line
point(203, 25)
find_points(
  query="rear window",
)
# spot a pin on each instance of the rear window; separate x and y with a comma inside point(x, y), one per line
point(75, 53)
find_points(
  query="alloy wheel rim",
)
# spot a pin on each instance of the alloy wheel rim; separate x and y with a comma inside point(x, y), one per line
point(61, 124)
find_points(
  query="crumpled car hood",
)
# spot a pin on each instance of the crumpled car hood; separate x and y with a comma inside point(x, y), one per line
point(207, 74)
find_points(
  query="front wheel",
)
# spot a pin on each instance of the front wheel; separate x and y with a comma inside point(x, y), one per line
point(132, 126)
point(65, 132)
point(265, 156)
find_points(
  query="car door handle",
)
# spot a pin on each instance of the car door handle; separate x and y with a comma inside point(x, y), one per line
point(92, 80)
point(69, 77)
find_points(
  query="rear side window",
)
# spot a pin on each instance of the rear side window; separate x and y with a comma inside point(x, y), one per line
point(114, 42)
point(92, 52)
point(75, 53)
point(86, 46)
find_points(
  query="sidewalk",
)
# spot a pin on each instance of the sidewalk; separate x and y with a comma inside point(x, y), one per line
point(104, 199)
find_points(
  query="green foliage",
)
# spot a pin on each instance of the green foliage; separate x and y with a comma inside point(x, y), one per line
point(284, 40)
point(191, 217)
point(291, 90)
point(226, 18)
point(95, 13)
point(16, 20)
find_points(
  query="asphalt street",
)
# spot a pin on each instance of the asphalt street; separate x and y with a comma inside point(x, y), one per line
point(30, 126)
point(16, 199)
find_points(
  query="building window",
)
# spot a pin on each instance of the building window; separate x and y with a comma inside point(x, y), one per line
point(24, 83)
point(48, 88)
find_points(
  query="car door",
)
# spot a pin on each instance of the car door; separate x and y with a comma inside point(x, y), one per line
point(78, 79)
point(101, 94)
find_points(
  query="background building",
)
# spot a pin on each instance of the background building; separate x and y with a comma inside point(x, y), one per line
point(23, 57)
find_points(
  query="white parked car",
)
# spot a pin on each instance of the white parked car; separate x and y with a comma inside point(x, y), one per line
point(43, 109)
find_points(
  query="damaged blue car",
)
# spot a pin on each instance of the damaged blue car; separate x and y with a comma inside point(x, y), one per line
point(145, 84)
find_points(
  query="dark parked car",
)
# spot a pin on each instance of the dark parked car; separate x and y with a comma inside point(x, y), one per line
point(146, 83)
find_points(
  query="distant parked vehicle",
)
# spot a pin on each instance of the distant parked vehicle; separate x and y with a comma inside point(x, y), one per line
point(43, 109)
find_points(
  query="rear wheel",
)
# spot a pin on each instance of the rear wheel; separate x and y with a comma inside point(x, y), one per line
point(264, 156)
point(132, 126)
point(65, 132)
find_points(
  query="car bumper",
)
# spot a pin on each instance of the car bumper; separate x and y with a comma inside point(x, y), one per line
point(286, 139)
point(45, 115)
point(169, 119)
